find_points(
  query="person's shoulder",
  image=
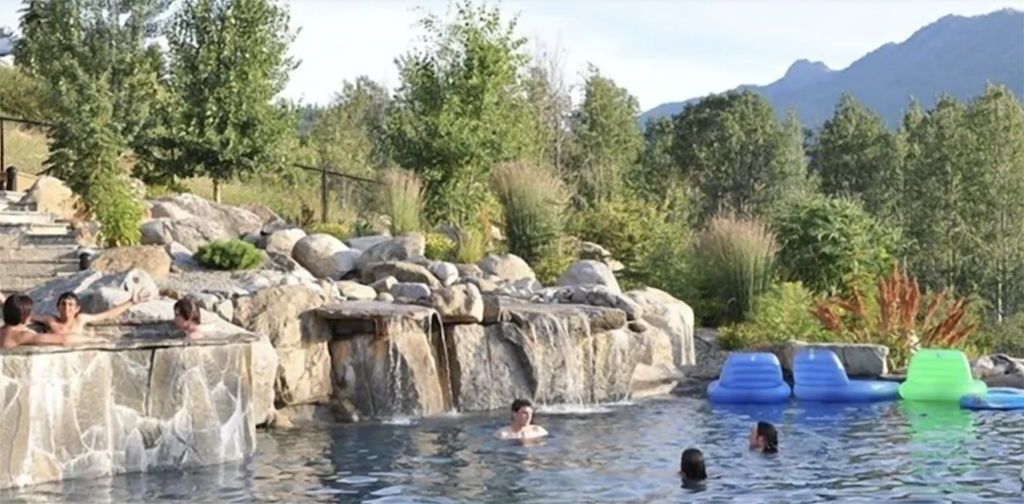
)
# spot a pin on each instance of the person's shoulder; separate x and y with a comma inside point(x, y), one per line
point(539, 431)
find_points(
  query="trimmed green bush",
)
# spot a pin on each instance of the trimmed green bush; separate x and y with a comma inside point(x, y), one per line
point(439, 247)
point(229, 255)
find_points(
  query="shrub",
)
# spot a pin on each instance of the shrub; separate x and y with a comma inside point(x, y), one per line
point(737, 258)
point(894, 318)
point(401, 199)
point(229, 255)
point(534, 203)
point(118, 212)
point(1006, 337)
point(628, 228)
point(337, 230)
point(439, 247)
point(828, 243)
point(782, 313)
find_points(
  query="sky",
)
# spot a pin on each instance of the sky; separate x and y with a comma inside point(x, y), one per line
point(660, 50)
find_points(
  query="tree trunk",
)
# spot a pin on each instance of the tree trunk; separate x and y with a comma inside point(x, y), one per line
point(216, 191)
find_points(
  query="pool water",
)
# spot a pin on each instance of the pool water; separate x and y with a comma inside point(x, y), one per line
point(892, 452)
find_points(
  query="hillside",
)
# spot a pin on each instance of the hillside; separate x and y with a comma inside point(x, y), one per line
point(956, 55)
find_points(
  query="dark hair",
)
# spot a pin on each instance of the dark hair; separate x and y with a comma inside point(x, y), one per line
point(17, 309)
point(519, 404)
point(187, 308)
point(771, 437)
point(68, 295)
point(691, 465)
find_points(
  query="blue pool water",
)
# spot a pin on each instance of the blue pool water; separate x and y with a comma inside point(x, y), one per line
point(890, 452)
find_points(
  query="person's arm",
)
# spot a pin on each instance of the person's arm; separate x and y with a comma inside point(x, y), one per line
point(42, 319)
point(111, 314)
point(29, 338)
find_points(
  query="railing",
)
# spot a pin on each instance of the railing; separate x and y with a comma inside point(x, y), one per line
point(9, 181)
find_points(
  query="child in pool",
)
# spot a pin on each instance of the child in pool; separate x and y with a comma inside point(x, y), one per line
point(691, 468)
point(764, 438)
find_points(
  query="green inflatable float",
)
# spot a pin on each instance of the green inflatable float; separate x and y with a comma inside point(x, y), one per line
point(940, 376)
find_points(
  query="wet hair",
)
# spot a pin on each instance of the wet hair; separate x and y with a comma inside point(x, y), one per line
point(770, 435)
point(187, 309)
point(519, 404)
point(691, 465)
point(69, 295)
point(17, 309)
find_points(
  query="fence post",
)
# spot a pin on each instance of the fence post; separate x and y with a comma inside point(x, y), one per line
point(323, 194)
point(2, 149)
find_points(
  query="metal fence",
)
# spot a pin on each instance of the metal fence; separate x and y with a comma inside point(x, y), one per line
point(9, 182)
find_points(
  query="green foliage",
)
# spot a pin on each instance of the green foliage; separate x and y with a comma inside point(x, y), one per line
point(737, 257)
point(229, 255)
point(626, 228)
point(826, 243)
point(737, 154)
point(339, 231)
point(534, 202)
point(782, 313)
point(439, 247)
point(227, 62)
point(25, 96)
point(401, 200)
point(118, 212)
point(460, 109)
point(1005, 337)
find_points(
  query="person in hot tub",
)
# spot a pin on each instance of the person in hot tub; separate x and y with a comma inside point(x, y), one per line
point(188, 318)
point(521, 428)
point(16, 332)
point(71, 320)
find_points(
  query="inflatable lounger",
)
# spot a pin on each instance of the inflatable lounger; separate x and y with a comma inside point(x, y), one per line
point(997, 398)
point(750, 378)
point(940, 376)
point(818, 375)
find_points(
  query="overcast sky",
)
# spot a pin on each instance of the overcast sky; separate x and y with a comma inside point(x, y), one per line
point(661, 50)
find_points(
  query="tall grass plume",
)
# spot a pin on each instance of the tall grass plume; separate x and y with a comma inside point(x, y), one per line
point(401, 199)
point(534, 203)
point(739, 258)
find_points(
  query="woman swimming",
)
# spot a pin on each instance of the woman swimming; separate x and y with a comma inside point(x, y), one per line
point(764, 438)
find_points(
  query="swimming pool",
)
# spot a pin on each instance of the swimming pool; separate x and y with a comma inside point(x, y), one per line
point(890, 452)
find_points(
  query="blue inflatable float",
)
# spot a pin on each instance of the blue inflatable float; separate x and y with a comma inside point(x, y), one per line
point(750, 378)
point(998, 398)
point(819, 375)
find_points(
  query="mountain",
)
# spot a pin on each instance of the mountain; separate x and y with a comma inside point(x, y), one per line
point(955, 55)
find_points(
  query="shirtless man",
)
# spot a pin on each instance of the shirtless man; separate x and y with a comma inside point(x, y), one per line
point(15, 332)
point(521, 428)
point(71, 320)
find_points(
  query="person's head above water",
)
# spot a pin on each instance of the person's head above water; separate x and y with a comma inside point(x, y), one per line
point(187, 314)
point(17, 310)
point(764, 438)
point(68, 305)
point(691, 465)
point(522, 413)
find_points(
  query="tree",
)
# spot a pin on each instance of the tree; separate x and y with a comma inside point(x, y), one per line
point(228, 61)
point(734, 151)
point(607, 142)
point(461, 109)
point(854, 154)
point(550, 104)
point(995, 120)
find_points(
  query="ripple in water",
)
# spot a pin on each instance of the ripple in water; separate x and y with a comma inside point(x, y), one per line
point(611, 453)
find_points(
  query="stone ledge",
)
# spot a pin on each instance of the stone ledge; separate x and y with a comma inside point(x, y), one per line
point(133, 343)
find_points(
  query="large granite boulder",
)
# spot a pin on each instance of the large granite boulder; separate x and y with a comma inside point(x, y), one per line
point(508, 267)
point(672, 322)
point(589, 272)
point(98, 291)
point(324, 256)
point(593, 295)
point(51, 195)
point(999, 370)
point(283, 241)
point(193, 221)
point(400, 248)
point(285, 315)
point(155, 260)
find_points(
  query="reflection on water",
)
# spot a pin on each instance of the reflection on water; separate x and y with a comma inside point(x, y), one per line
point(888, 452)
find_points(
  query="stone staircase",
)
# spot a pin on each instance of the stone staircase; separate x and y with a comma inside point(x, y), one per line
point(34, 246)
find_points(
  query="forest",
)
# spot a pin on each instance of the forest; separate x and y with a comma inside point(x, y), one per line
point(853, 232)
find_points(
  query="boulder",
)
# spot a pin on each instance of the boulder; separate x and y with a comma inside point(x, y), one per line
point(285, 314)
point(355, 290)
point(446, 272)
point(508, 267)
point(50, 195)
point(593, 295)
point(133, 283)
point(589, 272)
point(411, 292)
point(671, 316)
point(999, 370)
point(861, 360)
point(402, 271)
point(181, 257)
point(401, 248)
point(458, 304)
point(152, 259)
point(283, 241)
point(324, 256)
point(364, 243)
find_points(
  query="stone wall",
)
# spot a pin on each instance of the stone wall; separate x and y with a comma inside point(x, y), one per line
point(141, 404)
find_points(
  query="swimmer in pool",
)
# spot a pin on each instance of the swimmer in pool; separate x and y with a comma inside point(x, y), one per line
point(71, 320)
point(15, 332)
point(691, 468)
point(764, 438)
point(521, 428)
point(188, 318)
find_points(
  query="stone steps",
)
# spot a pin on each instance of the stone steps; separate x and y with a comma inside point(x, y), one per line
point(11, 200)
point(25, 217)
point(24, 283)
point(39, 254)
point(51, 228)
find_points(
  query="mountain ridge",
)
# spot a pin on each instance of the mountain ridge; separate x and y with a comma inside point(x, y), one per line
point(955, 55)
